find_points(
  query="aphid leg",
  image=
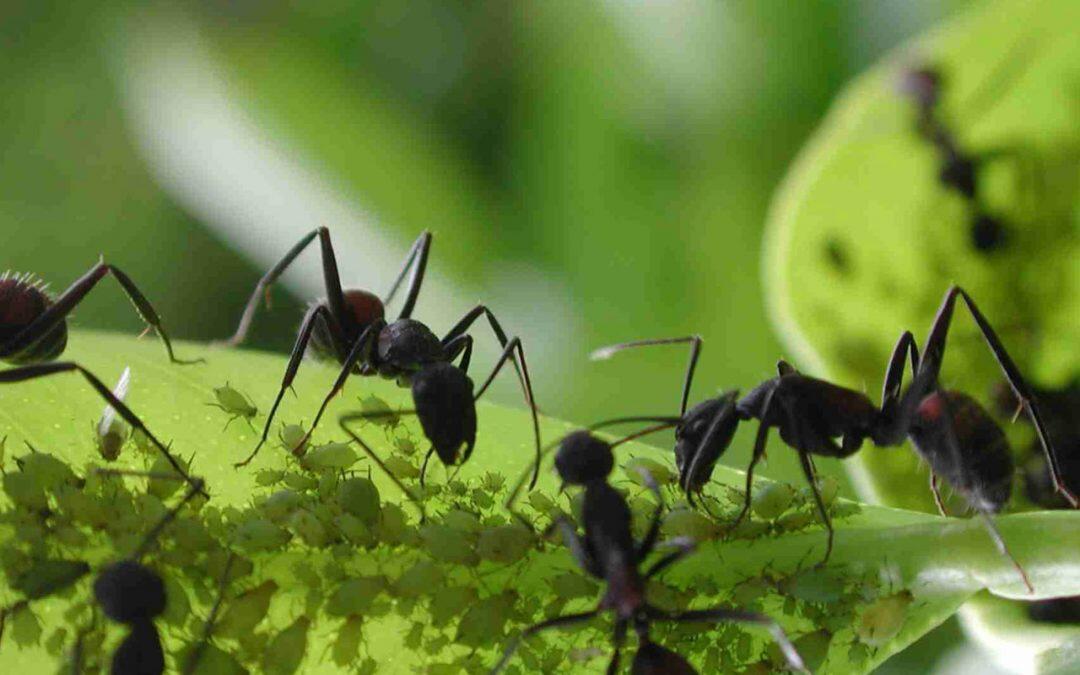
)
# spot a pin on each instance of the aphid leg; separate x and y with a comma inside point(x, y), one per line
point(74, 294)
point(418, 254)
point(46, 369)
point(557, 622)
point(193, 659)
point(262, 289)
point(316, 313)
point(509, 349)
point(356, 354)
point(938, 501)
point(760, 441)
point(736, 616)
point(688, 380)
point(342, 422)
point(684, 546)
point(721, 416)
point(934, 352)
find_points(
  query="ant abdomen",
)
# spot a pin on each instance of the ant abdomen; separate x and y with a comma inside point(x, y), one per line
point(22, 300)
point(984, 469)
point(443, 395)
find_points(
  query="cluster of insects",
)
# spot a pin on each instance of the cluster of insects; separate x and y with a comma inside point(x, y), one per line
point(323, 502)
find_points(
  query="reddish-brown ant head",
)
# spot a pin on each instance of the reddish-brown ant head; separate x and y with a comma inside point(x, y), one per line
point(983, 471)
point(922, 85)
point(583, 458)
point(22, 300)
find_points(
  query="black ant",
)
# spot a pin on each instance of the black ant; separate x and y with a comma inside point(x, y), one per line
point(608, 552)
point(33, 334)
point(955, 435)
point(130, 593)
point(349, 327)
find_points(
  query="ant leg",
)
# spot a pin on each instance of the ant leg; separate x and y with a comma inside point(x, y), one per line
point(514, 345)
point(649, 542)
point(723, 422)
point(695, 341)
point(736, 616)
point(192, 661)
point(375, 458)
point(150, 537)
point(759, 450)
point(618, 640)
point(46, 369)
point(55, 314)
point(557, 622)
point(316, 313)
point(461, 345)
point(469, 319)
point(935, 345)
point(811, 476)
point(894, 374)
point(1003, 549)
point(577, 547)
point(684, 545)
point(418, 254)
point(938, 501)
point(357, 353)
point(423, 467)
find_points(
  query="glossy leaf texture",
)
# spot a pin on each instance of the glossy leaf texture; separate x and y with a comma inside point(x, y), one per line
point(864, 240)
point(331, 574)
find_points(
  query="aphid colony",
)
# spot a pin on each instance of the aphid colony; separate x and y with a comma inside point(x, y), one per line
point(424, 569)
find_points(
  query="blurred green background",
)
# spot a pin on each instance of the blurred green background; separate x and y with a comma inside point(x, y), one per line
point(595, 171)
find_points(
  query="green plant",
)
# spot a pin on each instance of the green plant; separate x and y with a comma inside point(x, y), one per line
point(336, 568)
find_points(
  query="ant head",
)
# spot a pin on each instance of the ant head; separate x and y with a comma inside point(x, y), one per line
point(583, 458)
point(652, 659)
point(922, 85)
point(129, 592)
point(443, 395)
point(689, 451)
point(22, 300)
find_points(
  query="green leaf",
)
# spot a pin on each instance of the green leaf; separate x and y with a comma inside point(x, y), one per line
point(863, 241)
point(466, 576)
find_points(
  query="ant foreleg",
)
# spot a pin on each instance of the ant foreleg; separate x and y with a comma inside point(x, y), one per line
point(737, 616)
point(316, 313)
point(46, 369)
point(355, 355)
point(418, 254)
point(66, 302)
point(695, 341)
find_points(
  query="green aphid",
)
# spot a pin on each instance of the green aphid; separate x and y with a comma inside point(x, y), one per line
point(484, 622)
point(328, 483)
point(571, 585)
point(25, 626)
point(212, 661)
point(335, 456)
point(294, 439)
point(392, 528)
point(492, 482)
point(355, 596)
point(796, 520)
point(882, 620)
point(464, 522)
point(246, 611)
point(815, 585)
point(447, 545)
point(47, 471)
point(828, 487)
point(25, 491)
point(286, 650)
point(300, 482)
point(260, 534)
point(415, 637)
point(346, 647)
point(307, 526)
point(191, 535)
point(771, 500)
point(48, 577)
point(54, 644)
point(177, 605)
point(367, 667)
point(218, 561)
point(354, 530)
point(401, 467)
point(481, 499)
point(374, 404)
point(750, 529)
point(268, 477)
point(543, 504)
point(505, 544)
point(449, 602)
point(661, 473)
point(111, 431)
point(688, 523)
point(405, 445)
point(422, 579)
point(360, 497)
point(436, 644)
point(165, 480)
point(234, 404)
point(280, 505)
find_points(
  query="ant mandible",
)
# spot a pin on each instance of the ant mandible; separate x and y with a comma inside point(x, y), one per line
point(349, 327)
point(609, 553)
point(950, 430)
point(34, 333)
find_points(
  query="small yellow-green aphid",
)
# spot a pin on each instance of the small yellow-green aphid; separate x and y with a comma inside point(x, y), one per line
point(883, 619)
point(421, 579)
point(374, 404)
point(245, 612)
point(233, 403)
point(359, 497)
point(293, 439)
point(772, 499)
point(504, 544)
point(112, 431)
point(329, 456)
point(285, 651)
point(355, 596)
point(346, 647)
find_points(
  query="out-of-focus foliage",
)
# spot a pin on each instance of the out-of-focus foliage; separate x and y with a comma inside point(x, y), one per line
point(334, 571)
point(865, 240)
